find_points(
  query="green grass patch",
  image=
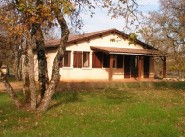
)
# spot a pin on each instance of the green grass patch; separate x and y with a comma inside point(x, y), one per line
point(114, 109)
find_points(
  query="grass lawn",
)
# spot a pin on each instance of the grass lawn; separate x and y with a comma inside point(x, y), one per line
point(113, 109)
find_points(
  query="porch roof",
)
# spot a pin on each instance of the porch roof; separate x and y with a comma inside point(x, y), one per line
point(127, 51)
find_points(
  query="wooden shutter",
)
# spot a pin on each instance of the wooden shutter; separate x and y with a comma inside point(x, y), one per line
point(93, 60)
point(79, 59)
point(97, 60)
point(67, 57)
point(75, 59)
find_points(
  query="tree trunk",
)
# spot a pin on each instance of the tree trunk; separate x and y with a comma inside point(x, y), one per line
point(25, 75)
point(20, 66)
point(52, 86)
point(32, 85)
point(16, 67)
point(42, 62)
point(55, 69)
point(8, 70)
point(10, 90)
point(17, 64)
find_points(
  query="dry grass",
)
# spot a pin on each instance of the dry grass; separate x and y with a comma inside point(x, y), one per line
point(102, 109)
point(17, 85)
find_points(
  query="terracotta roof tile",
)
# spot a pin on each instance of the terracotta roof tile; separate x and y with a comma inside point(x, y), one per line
point(76, 38)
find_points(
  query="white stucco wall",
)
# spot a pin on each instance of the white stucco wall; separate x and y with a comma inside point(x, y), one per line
point(81, 74)
point(104, 41)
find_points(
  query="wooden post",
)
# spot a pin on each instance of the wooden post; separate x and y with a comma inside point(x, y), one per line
point(164, 67)
point(139, 67)
point(110, 67)
point(151, 67)
point(142, 66)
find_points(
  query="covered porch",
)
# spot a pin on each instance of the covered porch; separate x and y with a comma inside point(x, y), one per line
point(129, 63)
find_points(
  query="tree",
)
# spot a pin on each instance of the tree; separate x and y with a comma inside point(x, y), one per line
point(165, 30)
point(9, 43)
point(31, 17)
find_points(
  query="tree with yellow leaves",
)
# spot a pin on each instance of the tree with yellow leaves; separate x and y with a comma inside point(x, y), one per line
point(28, 18)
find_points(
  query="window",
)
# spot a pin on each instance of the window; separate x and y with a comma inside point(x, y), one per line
point(117, 61)
point(66, 60)
point(97, 60)
point(81, 59)
point(85, 59)
point(77, 62)
point(106, 60)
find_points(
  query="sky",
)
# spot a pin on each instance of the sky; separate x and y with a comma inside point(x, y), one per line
point(101, 21)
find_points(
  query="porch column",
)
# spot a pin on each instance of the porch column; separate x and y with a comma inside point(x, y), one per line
point(110, 67)
point(164, 67)
point(140, 67)
point(151, 68)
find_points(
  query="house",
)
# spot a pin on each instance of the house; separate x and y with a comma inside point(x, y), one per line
point(103, 55)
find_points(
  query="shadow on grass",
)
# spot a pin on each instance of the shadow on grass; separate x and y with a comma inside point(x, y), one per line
point(174, 85)
point(117, 96)
point(64, 98)
point(92, 86)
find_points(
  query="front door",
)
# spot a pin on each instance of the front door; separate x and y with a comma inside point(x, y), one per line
point(127, 60)
point(130, 66)
point(134, 66)
point(146, 66)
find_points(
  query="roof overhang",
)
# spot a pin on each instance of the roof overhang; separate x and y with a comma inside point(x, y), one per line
point(126, 51)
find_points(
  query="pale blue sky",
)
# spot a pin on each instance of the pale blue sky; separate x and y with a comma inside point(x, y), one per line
point(101, 21)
